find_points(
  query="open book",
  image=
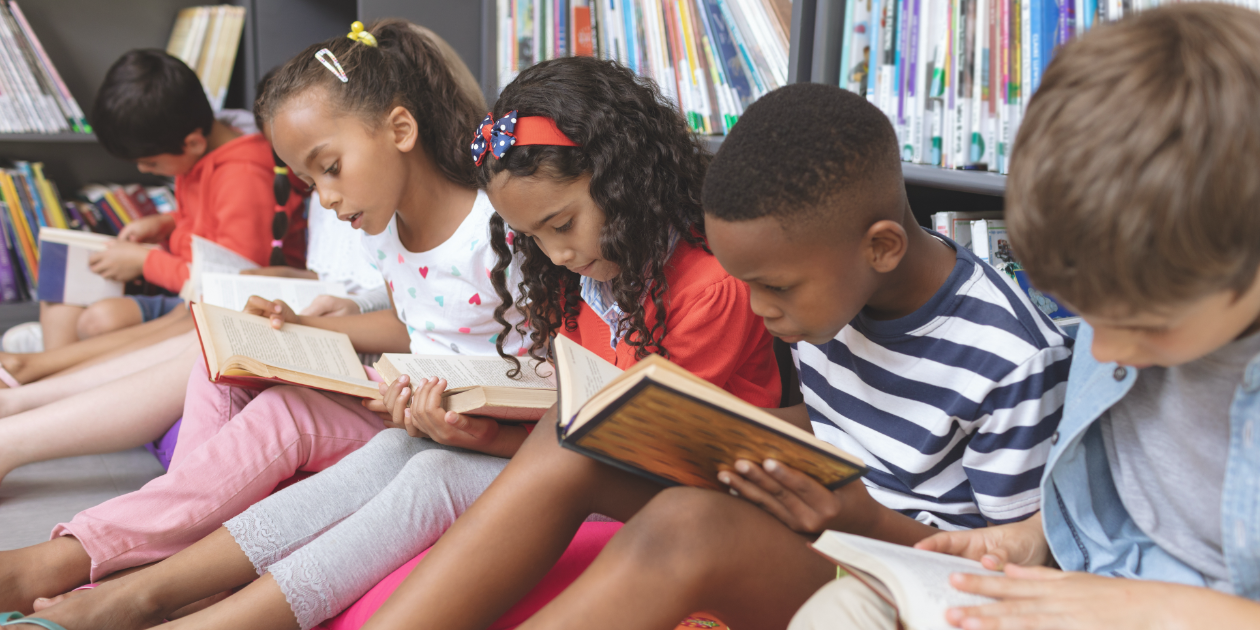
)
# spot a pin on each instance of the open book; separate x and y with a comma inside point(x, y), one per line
point(478, 386)
point(232, 291)
point(210, 257)
point(662, 422)
point(64, 275)
point(913, 581)
point(244, 350)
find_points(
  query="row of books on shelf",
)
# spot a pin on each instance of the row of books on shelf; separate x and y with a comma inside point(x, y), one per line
point(30, 203)
point(207, 38)
point(955, 76)
point(712, 58)
point(984, 233)
point(33, 98)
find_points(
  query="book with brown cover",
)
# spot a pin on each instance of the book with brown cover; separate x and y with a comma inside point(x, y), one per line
point(662, 422)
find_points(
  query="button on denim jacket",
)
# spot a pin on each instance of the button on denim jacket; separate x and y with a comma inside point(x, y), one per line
point(1086, 524)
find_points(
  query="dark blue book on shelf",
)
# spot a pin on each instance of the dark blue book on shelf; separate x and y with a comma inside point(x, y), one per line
point(12, 273)
point(728, 54)
point(1043, 302)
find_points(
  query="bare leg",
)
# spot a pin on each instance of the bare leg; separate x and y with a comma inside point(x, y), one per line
point(27, 368)
point(40, 393)
point(142, 599)
point(475, 572)
point(688, 551)
point(100, 420)
point(60, 323)
point(261, 604)
point(42, 570)
point(109, 315)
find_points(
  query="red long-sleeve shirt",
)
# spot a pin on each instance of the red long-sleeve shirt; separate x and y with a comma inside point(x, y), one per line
point(227, 198)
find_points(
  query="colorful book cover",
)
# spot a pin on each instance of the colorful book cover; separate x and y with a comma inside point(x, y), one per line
point(23, 234)
point(12, 251)
point(583, 46)
point(10, 287)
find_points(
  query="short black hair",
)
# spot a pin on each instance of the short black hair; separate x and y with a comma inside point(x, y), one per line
point(794, 149)
point(148, 103)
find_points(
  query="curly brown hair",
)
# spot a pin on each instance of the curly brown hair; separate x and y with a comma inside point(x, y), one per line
point(410, 66)
point(646, 171)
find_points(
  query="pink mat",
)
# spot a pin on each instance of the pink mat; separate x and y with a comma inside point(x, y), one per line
point(590, 539)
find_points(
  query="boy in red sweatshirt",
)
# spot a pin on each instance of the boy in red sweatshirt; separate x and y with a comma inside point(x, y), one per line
point(152, 110)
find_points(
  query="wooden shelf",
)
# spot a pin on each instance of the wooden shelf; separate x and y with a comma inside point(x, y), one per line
point(48, 137)
point(979, 182)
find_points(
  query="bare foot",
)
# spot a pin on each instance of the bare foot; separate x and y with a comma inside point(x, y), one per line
point(109, 606)
point(14, 364)
point(42, 570)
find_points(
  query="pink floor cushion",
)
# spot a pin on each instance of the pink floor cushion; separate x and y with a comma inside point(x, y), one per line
point(590, 539)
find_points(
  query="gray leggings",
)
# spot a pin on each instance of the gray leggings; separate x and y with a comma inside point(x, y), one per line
point(330, 538)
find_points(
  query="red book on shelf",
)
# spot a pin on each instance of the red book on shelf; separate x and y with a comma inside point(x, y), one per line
point(583, 44)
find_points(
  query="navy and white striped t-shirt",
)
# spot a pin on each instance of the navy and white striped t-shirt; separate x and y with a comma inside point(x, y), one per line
point(953, 406)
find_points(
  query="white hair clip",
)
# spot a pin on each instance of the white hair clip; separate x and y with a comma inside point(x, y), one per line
point(329, 60)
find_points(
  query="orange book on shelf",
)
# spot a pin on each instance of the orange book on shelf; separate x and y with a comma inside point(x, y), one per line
point(583, 43)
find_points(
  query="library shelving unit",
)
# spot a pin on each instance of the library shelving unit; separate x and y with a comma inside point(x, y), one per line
point(816, 33)
point(84, 37)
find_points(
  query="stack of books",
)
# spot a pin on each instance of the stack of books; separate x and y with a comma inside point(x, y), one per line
point(955, 76)
point(33, 98)
point(712, 58)
point(29, 201)
point(207, 38)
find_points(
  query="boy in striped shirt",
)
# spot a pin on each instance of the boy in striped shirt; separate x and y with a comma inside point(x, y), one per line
point(913, 355)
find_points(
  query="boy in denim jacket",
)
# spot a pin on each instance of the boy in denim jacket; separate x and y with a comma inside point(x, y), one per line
point(1134, 198)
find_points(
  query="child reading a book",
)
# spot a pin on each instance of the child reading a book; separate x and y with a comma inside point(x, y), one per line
point(152, 110)
point(1132, 198)
point(913, 355)
point(614, 259)
point(412, 189)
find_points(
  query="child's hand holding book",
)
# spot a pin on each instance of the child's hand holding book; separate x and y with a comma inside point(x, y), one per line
point(1022, 543)
point(420, 412)
point(122, 261)
point(803, 504)
point(274, 310)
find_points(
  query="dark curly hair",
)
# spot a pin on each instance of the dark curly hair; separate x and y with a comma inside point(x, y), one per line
point(411, 67)
point(646, 171)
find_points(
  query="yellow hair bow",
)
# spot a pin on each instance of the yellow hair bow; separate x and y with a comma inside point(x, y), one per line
point(358, 34)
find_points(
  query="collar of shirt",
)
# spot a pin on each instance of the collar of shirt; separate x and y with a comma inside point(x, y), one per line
point(599, 296)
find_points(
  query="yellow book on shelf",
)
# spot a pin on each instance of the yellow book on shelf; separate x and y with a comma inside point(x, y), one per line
point(52, 203)
point(17, 215)
point(117, 206)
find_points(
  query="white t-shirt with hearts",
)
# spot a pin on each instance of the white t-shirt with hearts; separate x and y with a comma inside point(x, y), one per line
point(444, 295)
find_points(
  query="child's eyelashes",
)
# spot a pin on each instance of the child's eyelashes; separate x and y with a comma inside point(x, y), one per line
point(333, 168)
point(774, 289)
point(568, 225)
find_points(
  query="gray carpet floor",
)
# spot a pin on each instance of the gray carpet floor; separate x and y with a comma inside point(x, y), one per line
point(35, 498)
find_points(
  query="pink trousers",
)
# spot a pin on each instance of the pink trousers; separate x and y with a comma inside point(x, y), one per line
point(235, 446)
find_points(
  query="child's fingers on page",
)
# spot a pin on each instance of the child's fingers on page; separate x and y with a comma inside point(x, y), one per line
point(1020, 614)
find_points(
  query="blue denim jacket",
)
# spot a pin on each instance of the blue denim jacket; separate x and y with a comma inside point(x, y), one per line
point(1085, 522)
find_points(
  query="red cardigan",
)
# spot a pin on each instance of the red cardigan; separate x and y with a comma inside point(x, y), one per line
point(710, 329)
point(227, 198)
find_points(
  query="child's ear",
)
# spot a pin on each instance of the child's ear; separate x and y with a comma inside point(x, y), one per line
point(403, 129)
point(885, 245)
point(195, 144)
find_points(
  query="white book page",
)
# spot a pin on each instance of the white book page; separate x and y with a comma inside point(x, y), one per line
point(211, 257)
point(919, 579)
point(582, 374)
point(461, 372)
point(298, 348)
point(232, 291)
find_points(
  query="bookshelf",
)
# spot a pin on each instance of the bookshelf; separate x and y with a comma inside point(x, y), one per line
point(84, 37)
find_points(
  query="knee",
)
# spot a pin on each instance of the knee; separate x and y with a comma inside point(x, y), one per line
point(681, 529)
point(108, 315)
